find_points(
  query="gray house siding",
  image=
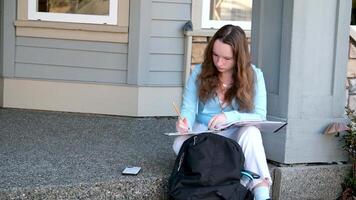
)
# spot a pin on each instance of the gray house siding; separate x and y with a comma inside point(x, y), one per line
point(1, 52)
point(70, 60)
point(55, 59)
point(8, 45)
point(166, 53)
point(1, 38)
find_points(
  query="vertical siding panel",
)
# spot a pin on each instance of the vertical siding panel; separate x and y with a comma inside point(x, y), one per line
point(173, 1)
point(139, 40)
point(170, 28)
point(1, 39)
point(168, 62)
point(1, 53)
point(170, 11)
point(167, 41)
point(9, 16)
point(165, 45)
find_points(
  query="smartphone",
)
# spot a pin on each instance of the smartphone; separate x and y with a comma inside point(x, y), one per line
point(131, 170)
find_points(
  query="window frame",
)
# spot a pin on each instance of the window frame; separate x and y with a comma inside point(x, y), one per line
point(206, 23)
point(110, 19)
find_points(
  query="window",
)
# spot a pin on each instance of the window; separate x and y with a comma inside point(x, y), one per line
point(79, 11)
point(216, 13)
point(353, 13)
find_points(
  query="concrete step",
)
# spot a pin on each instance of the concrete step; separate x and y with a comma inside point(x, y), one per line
point(57, 155)
point(309, 181)
point(53, 155)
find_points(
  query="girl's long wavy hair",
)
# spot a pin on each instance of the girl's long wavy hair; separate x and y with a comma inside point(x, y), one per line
point(242, 88)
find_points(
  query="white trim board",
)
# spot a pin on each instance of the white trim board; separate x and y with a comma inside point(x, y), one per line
point(90, 98)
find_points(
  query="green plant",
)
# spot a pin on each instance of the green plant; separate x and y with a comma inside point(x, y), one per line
point(349, 129)
point(348, 136)
point(350, 146)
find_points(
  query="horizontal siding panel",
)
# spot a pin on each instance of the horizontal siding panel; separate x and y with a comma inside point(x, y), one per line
point(167, 45)
point(72, 44)
point(170, 11)
point(166, 63)
point(71, 58)
point(165, 78)
point(172, 1)
point(171, 28)
point(68, 73)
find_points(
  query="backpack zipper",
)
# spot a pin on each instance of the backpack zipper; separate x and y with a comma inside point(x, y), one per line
point(194, 140)
point(180, 162)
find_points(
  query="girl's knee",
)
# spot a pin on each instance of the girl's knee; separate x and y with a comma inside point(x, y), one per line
point(250, 133)
point(178, 142)
point(252, 130)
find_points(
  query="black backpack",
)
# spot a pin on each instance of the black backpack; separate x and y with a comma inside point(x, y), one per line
point(208, 167)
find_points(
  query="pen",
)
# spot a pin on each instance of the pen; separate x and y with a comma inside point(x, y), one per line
point(176, 109)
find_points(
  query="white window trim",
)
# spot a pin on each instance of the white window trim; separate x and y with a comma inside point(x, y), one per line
point(216, 24)
point(75, 18)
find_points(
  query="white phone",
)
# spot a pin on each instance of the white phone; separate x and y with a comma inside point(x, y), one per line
point(131, 170)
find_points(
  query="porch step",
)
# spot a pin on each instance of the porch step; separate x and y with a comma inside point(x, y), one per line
point(57, 155)
point(54, 155)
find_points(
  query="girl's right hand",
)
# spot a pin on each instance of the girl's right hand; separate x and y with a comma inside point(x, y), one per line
point(182, 125)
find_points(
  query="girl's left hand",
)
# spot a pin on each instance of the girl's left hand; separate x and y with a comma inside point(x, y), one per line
point(216, 121)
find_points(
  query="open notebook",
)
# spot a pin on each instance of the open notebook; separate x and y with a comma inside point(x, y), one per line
point(264, 126)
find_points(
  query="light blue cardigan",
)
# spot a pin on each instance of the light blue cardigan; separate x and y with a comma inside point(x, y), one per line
point(198, 112)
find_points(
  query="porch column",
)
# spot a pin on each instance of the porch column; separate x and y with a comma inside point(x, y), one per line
point(302, 48)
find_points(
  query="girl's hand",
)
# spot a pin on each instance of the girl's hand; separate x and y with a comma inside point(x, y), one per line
point(182, 125)
point(216, 121)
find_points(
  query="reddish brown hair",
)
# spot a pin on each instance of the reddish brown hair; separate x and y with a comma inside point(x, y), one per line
point(243, 74)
